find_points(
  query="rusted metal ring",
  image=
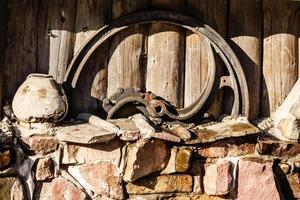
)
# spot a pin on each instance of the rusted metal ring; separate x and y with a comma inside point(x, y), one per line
point(237, 77)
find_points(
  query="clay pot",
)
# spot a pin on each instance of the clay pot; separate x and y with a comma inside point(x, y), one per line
point(40, 99)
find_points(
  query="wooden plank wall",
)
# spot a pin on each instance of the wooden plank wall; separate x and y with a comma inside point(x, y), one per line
point(166, 59)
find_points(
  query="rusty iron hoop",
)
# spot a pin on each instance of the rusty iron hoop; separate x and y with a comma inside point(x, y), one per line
point(236, 79)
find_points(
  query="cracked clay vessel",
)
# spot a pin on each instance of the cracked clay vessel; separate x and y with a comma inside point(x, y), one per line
point(40, 99)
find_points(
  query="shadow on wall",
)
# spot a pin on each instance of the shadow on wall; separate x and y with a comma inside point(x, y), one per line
point(49, 33)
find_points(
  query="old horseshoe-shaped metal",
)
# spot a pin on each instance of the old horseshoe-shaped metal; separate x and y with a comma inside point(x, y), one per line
point(215, 43)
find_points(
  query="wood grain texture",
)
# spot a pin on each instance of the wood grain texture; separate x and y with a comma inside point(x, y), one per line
point(3, 26)
point(214, 14)
point(165, 64)
point(91, 15)
point(280, 70)
point(127, 50)
point(55, 36)
point(21, 49)
point(244, 33)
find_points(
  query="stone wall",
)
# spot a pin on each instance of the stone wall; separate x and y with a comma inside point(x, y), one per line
point(96, 163)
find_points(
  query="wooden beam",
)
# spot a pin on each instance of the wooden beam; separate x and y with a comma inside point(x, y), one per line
point(280, 68)
point(127, 50)
point(21, 49)
point(3, 24)
point(55, 37)
point(244, 33)
point(165, 65)
point(92, 84)
point(212, 13)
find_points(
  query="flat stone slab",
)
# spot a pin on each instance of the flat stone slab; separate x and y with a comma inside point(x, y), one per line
point(222, 130)
point(272, 146)
point(84, 133)
point(128, 130)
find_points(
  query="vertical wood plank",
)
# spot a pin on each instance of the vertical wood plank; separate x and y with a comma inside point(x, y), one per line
point(91, 15)
point(280, 70)
point(3, 24)
point(245, 38)
point(127, 50)
point(166, 50)
point(214, 14)
point(55, 36)
point(21, 49)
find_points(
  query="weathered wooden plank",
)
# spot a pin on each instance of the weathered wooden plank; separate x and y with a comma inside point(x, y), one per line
point(3, 24)
point(165, 65)
point(127, 50)
point(91, 15)
point(21, 49)
point(55, 36)
point(280, 70)
point(213, 13)
point(244, 31)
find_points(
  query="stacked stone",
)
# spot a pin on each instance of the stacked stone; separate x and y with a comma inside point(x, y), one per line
point(125, 159)
point(92, 158)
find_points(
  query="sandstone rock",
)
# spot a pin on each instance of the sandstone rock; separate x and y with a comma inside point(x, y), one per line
point(179, 160)
point(128, 130)
point(44, 169)
point(97, 121)
point(84, 134)
point(285, 168)
point(222, 130)
point(228, 147)
point(287, 116)
point(58, 188)
point(181, 132)
point(101, 178)
point(79, 153)
point(39, 144)
point(146, 130)
point(11, 188)
point(144, 158)
point(163, 135)
point(218, 178)
point(294, 184)
point(161, 184)
point(274, 147)
point(195, 197)
point(5, 158)
point(6, 133)
point(256, 181)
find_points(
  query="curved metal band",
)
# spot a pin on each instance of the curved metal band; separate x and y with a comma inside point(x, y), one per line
point(222, 48)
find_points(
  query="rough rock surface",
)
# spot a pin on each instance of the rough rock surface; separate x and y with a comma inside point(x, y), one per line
point(39, 144)
point(274, 147)
point(287, 116)
point(161, 184)
point(226, 129)
point(11, 188)
point(179, 160)
point(100, 178)
point(144, 158)
point(73, 153)
point(44, 169)
point(218, 178)
point(256, 181)
point(84, 133)
point(58, 188)
point(228, 147)
point(294, 183)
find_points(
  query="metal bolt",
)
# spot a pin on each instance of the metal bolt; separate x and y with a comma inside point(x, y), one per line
point(106, 101)
point(120, 90)
point(137, 89)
